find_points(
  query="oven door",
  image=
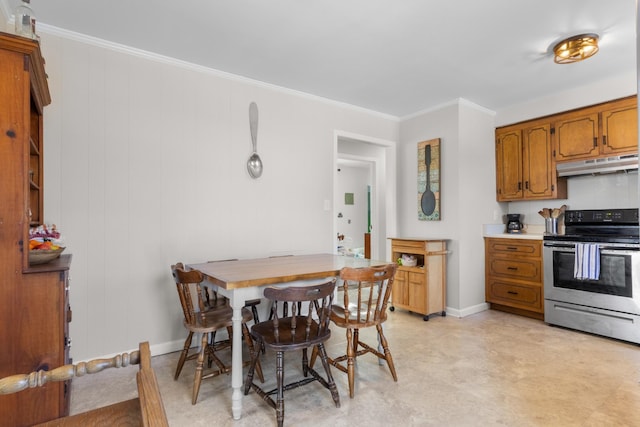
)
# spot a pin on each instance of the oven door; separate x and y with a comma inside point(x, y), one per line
point(617, 288)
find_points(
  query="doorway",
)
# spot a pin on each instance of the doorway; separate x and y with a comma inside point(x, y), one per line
point(370, 164)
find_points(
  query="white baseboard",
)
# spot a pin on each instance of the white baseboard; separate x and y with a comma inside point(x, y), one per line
point(468, 311)
point(166, 347)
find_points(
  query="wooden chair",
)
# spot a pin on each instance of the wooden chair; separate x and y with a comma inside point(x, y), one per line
point(205, 321)
point(301, 330)
point(366, 293)
point(146, 410)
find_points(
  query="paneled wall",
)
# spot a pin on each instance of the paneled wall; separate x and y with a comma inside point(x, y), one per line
point(146, 166)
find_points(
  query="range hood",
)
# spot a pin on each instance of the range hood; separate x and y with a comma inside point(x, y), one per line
point(599, 166)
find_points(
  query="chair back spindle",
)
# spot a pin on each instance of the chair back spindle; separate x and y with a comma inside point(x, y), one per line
point(189, 292)
point(366, 293)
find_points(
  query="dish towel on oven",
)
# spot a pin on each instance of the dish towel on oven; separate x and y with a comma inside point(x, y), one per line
point(587, 262)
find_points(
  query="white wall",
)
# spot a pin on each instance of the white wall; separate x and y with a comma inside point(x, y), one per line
point(5, 14)
point(145, 165)
point(467, 193)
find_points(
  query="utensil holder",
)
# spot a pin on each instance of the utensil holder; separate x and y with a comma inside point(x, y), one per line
point(551, 226)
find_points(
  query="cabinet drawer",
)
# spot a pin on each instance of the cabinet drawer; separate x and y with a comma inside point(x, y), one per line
point(416, 278)
point(513, 247)
point(522, 269)
point(408, 245)
point(515, 295)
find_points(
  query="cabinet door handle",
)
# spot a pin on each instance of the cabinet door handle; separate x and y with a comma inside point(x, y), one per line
point(595, 142)
point(512, 248)
point(519, 185)
point(512, 268)
point(604, 139)
point(526, 185)
point(512, 292)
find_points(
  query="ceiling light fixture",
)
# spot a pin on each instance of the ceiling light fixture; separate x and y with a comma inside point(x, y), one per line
point(575, 48)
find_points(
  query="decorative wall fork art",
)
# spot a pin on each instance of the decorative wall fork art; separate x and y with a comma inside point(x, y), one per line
point(429, 180)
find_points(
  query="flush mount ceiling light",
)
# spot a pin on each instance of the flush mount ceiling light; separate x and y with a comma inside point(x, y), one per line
point(575, 48)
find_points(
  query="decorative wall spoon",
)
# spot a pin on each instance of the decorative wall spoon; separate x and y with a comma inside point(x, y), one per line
point(254, 164)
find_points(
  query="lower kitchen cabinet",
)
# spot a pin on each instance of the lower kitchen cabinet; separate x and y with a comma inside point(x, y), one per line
point(514, 276)
point(420, 288)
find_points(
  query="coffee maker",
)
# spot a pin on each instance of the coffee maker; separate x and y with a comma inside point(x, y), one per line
point(514, 225)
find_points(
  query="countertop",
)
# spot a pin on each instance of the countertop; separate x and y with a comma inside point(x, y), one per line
point(531, 232)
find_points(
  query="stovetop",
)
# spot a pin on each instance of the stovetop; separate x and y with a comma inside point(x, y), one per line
point(600, 226)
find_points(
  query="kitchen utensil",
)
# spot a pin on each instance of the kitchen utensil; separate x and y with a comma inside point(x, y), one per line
point(254, 164)
point(551, 225)
point(428, 202)
point(541, 213)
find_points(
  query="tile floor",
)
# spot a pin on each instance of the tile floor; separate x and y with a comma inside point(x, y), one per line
point(488, 369)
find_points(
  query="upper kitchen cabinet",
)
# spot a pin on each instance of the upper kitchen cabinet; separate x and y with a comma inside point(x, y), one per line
point(608, 129)
point(620, 127)
point(525, 169)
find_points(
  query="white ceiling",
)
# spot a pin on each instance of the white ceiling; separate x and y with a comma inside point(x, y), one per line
point(396, 57)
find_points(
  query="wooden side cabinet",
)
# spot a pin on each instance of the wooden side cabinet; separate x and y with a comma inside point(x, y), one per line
point(514, 276)
point(421, 288)
point(34, 304)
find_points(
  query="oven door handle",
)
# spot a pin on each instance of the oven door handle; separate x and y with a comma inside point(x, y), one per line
point(604, 248)
point(560, 245)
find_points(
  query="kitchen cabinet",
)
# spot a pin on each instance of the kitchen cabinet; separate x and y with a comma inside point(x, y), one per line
point(525, 169)
point(608, 129)
point(514, 276)
point(420, 288)
point(34, 307)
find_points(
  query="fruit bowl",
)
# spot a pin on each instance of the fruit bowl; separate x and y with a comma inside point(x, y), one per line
point(43, 256)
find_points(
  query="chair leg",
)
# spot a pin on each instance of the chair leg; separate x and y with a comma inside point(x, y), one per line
point(387, 353)
point(305, 363)
point(351, 355)
point(249, 380)
point(254, 310)
point(252, 352)
point(199, 368)
point(325, 363)
point(183, 355)
point(314, 355)
point(280, 393)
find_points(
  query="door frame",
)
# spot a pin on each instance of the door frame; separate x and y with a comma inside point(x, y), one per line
point(381, 155)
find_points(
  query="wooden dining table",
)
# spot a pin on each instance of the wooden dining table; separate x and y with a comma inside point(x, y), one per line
point(241, 280)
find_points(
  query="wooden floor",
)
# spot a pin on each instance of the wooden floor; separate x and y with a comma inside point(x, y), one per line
point(488, 369)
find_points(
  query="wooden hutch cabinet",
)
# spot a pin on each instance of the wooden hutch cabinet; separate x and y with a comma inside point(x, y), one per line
point(34, 304)
point(420, 288)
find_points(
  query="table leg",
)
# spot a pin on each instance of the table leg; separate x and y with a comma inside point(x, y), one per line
point(236, 360)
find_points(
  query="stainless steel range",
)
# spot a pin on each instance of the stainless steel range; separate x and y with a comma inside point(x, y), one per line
point(592, 273)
